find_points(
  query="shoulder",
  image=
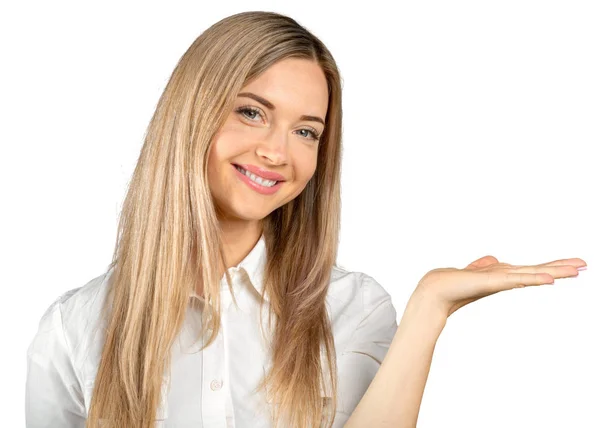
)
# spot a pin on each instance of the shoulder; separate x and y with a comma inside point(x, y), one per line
point(73, 320)
point(356, 286)
point(355, 299)
point(83, 302)
point(76, 301)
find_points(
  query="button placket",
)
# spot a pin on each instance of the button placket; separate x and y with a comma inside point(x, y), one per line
point(213, 369)
point(235, 277)
point(213, 401)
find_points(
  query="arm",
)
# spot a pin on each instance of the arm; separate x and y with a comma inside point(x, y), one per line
point(394, 396)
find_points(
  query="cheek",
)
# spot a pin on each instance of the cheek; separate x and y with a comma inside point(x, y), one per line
point(306, 166)
point(223, 147)
point(217, 158)
point(304, 172)
point(213, 160)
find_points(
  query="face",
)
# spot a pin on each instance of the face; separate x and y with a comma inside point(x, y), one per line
point(272, 132)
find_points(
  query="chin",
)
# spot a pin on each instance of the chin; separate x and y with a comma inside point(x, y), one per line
point(246, 212)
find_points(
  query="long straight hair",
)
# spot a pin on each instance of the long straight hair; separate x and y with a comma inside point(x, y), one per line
point(168, 238)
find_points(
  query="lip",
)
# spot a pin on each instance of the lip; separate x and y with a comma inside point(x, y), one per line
point(262, 173)
point(255, 186)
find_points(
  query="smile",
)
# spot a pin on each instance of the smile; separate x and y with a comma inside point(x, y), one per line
point(260, 185)
point(256, 179)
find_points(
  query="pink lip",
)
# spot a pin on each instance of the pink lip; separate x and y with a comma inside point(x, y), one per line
point(262, 173)
point(255, 186)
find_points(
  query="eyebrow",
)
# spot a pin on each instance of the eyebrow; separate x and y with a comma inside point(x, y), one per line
point(270, 106)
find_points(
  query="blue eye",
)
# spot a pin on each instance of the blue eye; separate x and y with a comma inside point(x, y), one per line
point(251, 110)
point(251, 113)
point(315, 135)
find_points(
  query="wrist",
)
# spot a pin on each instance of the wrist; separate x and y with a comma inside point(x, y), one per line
point(427, 308)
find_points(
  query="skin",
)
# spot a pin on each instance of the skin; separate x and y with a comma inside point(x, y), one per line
point(273, 139)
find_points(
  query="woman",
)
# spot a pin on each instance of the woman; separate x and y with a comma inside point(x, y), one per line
point(232, 216)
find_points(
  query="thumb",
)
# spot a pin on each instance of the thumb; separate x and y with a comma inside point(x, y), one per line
point(482, 262)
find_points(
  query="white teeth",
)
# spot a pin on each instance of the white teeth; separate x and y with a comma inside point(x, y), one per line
point(261, 181)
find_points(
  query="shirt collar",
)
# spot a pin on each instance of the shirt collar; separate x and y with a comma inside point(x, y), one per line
point(253, 264)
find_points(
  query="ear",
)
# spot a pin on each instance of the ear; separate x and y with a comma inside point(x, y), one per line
point(483, 262)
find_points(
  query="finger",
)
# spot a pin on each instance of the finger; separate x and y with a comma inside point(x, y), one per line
point(518, 280)
point(554, 271)
point(577, 262)
point(482, 262)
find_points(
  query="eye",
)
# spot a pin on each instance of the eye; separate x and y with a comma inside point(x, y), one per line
point(311, 134)
point(249, 112)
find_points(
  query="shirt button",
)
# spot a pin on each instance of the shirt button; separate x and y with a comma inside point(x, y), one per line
point(215, 385)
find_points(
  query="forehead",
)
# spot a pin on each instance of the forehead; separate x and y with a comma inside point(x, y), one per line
point(293, 85)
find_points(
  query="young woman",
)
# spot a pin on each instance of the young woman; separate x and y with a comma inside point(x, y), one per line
point(223, 305)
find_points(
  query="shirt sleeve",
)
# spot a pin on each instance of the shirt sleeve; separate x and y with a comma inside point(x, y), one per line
point(53, 396)
point(366, 350)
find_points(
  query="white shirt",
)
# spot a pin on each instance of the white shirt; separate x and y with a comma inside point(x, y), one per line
point(212, 388)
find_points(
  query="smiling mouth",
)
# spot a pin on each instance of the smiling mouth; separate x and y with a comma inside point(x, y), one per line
point(261, 181)
point(250, 173)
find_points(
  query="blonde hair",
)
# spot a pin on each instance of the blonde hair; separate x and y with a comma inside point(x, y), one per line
point(168, 239)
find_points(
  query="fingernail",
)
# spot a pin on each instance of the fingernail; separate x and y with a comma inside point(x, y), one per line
point(582, 268)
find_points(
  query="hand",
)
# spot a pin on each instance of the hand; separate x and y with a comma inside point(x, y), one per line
point(454, 288)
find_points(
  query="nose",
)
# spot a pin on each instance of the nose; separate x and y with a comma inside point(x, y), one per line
point(274, 147)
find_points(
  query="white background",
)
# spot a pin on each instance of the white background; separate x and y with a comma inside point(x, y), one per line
point(470, 128)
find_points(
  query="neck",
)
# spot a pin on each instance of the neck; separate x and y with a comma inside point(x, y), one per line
point(239, 237)
point(238, 241)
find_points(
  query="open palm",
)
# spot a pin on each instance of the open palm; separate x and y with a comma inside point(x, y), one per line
point(454, 288)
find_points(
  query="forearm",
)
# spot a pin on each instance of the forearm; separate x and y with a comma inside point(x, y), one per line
point(394, 396)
